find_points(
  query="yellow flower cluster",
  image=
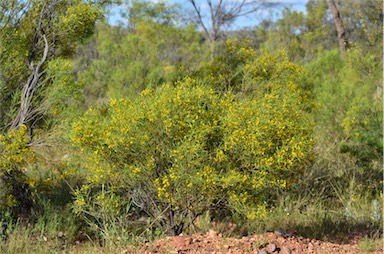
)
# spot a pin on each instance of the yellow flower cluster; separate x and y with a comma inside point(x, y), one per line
point(242, 48)
point(14, 150)
point(81, 16)
point(14, 154)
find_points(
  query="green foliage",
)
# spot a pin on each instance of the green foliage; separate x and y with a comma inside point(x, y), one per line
point(42, 236)
point(129, 61)
point(64, 94)
point(138, 134)
point(363, 22)
point(316, 219)
point(349, 117)
point(303, 36)
point(15, 191)
point(226, 72)
point(22, 48)
point(76, 24)
point(177, 152)
point(362, 88)
point(368, 244)
point(241, 70)
point(161, 13)
point(286, 33)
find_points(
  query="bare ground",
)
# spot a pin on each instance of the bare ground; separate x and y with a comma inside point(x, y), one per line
point(268, 243)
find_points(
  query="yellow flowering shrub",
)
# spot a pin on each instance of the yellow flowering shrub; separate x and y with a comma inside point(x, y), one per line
point(75, 23)
point(80, 18)
point(180, 150)
point(226, 72)
point(241, 70)
point(14, 154)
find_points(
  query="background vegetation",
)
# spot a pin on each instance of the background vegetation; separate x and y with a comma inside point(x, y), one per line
point(114, 134)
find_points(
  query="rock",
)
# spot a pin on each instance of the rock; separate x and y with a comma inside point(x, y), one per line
point(211, 233)
point(272, 247)
point(263, 251)
point(286, 250)
point(60, 235)
point(284, 233)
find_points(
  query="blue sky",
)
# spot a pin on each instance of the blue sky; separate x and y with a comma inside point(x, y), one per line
point(250, 20)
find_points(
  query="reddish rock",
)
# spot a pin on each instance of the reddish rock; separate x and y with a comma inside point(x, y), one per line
point(268, 243)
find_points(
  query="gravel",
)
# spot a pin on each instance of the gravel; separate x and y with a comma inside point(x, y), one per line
point(268, 243)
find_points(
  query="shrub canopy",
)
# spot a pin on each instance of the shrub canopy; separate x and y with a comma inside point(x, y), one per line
point(181, 150)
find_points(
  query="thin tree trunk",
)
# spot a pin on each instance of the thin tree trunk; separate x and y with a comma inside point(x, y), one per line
point(24, 112)
point(343, 42)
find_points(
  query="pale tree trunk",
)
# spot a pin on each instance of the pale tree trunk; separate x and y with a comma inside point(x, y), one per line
point(343, 42)
point(25, 112)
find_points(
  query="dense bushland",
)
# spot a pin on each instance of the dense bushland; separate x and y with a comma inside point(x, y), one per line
point(110, 134)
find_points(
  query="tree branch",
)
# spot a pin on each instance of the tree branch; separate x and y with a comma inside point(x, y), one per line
point(11, 12)
point(200, 20)
point(29, 88)
point(223, 12)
